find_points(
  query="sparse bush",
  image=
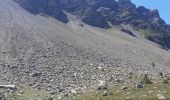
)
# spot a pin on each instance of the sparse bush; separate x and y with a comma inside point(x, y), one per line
point(146, 79)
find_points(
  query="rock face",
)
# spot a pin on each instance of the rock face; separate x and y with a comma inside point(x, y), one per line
point(49, 7)
point(99, 12)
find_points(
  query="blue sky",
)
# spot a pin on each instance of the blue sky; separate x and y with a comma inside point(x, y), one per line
point(162, 5)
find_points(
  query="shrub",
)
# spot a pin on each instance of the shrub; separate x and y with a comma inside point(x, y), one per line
point(146, 79)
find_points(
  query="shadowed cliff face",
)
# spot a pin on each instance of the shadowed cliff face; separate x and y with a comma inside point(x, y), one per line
point(49, 7)
point(99, 12)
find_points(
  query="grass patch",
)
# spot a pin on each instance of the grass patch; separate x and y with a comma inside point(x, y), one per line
point(114, 93)
point(133, 92)
point(146, 79)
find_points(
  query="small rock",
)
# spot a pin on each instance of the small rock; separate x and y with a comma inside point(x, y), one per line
point(36, 99)
point(128, 98)
point(160, 97)
point(98, 98)
point(105, 93)
point(50, 98)
point(119, 80)
point(165, 92)
point(60, 90)
point(21, 92)
point(131, 73)
point(151, 92)
point(140, 85)
point(36, 74)
point(130, 77)
point(144, 95)
point(124, 88)
point(128, 93)
point(100, 68)
point(52, 92)
point(73, 91)
point(65, 94)
point(8, 65)
point(102, 85)
point(4, 52)
point(153, 64)
point(59, 97)
point(80, 24)
point(13, 67)
point(116, 85)
point(161, 74)
point(111, 78)
point(8, 86)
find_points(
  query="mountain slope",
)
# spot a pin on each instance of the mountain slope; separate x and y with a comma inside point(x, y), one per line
point(43, 53)
point(98, 13)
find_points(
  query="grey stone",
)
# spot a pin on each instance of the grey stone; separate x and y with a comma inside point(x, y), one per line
point(140, 85)
point(50, 98)
point(73, 91)
point(128, 98)
point(102, 84)
point(36, 74)
point(8, 86)
point(105, 93)
point(124, 88)
point(160, 97)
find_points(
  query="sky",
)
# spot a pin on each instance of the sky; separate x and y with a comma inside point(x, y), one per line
point(162, 5)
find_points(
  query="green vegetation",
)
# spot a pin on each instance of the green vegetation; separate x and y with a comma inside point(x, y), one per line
point(146, 33)
point(139, 21)
point(146, 79)
point(124, 14)
point(152, 87)
point(133, 93)
point(149, 92)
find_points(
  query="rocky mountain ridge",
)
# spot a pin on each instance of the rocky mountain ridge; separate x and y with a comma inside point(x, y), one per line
point(99, 12)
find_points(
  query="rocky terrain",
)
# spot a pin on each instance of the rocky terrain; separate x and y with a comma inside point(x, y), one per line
point(41, 53)
point(104, 14)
